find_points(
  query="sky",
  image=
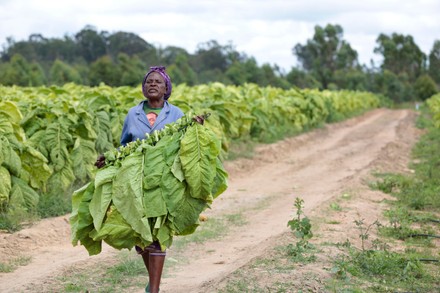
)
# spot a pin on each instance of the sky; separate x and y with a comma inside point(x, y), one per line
point(264, 29)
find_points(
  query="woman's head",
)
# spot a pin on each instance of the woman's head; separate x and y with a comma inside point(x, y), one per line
point(159, 71)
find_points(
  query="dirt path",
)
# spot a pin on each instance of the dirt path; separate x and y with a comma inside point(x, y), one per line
point(318, 167)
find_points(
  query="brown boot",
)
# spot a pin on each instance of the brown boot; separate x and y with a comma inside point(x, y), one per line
point(157, 260)
point(146, 258)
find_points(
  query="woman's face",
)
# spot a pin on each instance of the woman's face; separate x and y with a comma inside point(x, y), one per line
point(155, 86)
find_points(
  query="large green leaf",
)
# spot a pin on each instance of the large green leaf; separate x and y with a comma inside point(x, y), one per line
point(58, 139)
point(165, 236)
point(36, 167)
point(153, 166)
point(10, 118)
point(29, 196)
point(5, 186)
point(102, 196)
point(104, 140)
point(171, 146)
point(81, 220)
point(220, 180)
point(60, 180)
point(38, 141)
point(10, 109)
point(128, 194)
point(9, 157)
point(76, 201)
point(186, 217)
point(83, 154)
point(199, 149)
point(154, 203)
point(85, 126)
point(173, 191)
point(116, 232)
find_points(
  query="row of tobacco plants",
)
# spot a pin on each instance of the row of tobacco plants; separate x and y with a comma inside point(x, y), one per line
point(50, 137)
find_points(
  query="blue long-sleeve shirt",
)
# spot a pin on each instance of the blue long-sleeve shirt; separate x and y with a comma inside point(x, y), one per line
point(136, 124)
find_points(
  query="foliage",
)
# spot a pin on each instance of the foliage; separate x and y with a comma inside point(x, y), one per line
point(325, 53)
point(50, 136)
point(150, 189)
point(381, 268)
point(302, 229)
point(326, 61)
point(425, 87)
point(434, 62)
point(434, 107)
point(61, 73)
point(401, 55)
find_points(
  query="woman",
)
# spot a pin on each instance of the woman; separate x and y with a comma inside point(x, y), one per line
point(154, 112)
point(149, 115)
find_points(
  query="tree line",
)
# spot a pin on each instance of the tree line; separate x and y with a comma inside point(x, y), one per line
point(326, 61)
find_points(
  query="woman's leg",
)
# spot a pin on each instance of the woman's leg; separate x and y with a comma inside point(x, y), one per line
point(154, 259)
point(146, 258)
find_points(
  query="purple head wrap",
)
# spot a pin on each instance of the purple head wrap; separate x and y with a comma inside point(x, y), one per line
point(166, 78)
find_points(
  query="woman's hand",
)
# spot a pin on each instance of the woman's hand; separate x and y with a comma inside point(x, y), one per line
point(100, 161)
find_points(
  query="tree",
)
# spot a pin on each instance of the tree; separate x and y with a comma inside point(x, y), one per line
point(132, 70)
point(104, 70)
point(393, 86)
point(91, 45)
point(302, 79)
point(236, 73)
point(434, 62)
point(23, 48)
point(401, 55)
point(273, 77)
point(170, 54)
point(351, 79)
point(61, 73)
point(425, 87)
point(64, 49)
point(181, 71)
point(36, 74)
point(21, 72)
point(211, 56)
point(254, 74)
point(127, 43)
point(325, 53)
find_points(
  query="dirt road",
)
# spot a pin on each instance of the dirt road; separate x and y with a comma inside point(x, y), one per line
point(317, 166)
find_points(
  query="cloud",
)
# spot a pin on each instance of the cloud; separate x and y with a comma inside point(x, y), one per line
point(266, 30)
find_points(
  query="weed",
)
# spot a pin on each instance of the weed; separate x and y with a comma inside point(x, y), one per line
point(365, 231)
point(302, 229)
point(335, 206)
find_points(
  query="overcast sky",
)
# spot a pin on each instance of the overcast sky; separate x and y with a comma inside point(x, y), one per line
point(264, 29)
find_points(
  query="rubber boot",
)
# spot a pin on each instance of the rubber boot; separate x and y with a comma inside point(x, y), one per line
point(146, 258)
point(157, 260)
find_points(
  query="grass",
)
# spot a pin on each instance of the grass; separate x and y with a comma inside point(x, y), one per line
point(113, 276)
point(241, 148)
point(14, 263)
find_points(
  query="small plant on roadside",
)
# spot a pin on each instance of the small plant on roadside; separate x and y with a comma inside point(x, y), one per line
point(377, 264)
point(365, 231)
point(302, 229)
